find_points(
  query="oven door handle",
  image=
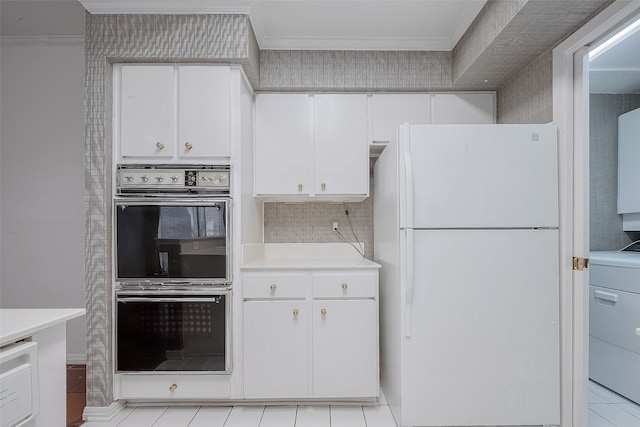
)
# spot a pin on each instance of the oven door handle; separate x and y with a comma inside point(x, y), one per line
point(172, 299)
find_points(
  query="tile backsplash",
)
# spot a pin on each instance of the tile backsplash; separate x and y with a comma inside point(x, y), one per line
point(312, 223)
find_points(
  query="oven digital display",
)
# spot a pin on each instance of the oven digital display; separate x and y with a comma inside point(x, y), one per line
point(172, 241)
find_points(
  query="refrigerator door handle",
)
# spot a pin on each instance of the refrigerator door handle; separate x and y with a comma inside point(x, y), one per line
point(408, 171)
point(408, 298)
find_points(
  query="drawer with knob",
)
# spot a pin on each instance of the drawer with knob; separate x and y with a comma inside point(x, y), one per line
point(275, 286)
point(345, 285)
point(172, 386)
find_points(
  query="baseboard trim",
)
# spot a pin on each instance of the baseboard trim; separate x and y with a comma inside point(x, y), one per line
point(102, 413)
point(77, 359)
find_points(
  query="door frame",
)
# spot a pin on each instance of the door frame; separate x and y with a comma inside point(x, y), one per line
point(571, 115)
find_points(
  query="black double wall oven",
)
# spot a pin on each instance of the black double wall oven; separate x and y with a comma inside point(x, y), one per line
point(172, 251)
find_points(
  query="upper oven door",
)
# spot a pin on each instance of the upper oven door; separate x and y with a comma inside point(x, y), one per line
point(182, 240)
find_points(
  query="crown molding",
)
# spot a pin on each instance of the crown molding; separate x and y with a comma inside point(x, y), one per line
point(176, 7)
point(465, 21)
point(41, 40)
point(344, 43)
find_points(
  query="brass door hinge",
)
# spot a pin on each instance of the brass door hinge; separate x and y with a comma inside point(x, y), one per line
point(580, 264)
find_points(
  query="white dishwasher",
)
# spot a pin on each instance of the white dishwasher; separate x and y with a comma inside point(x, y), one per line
point(614, 318)
point(19, 402)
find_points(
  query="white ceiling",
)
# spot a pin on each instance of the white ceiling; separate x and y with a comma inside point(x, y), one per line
point(617, 70)
point(363, 25)
point(329, 24)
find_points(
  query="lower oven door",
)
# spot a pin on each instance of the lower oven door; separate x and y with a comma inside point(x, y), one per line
point(158, 332)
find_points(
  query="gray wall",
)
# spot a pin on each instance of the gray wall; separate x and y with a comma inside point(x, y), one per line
point(605, 223)
point(322, 70)
point(42, 178)
point(528, 96)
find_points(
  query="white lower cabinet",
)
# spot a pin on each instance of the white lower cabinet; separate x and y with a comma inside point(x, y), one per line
point(345, 348)
point(316, 340)
point(275, 349)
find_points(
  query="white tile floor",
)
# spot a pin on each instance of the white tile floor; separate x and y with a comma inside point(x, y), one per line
point(254, 416)
point(608, 409)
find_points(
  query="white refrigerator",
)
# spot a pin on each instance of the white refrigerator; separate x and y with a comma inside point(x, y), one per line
point(466, 231)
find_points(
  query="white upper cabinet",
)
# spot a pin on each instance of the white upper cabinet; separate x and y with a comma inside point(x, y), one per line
point(172, 113)
point(464, 108)
point(283, 144)
point(628, 170)
point(311, 147)
point(390, 110)
point(315, 147)
point(341, 151)
point(204, 122)
point(147, 104)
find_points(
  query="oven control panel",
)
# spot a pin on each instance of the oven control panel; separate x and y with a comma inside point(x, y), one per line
point(154, 178)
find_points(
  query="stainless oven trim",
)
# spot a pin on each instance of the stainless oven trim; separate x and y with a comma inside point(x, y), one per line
point(152, 296)
point(170, 299)
point(152, 189)
point(159, 199)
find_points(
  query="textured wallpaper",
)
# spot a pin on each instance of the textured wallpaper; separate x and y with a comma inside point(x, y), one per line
point(487, 26)
point(134, 38)
point(528, 96)
point(317, 70)
point(605, 223)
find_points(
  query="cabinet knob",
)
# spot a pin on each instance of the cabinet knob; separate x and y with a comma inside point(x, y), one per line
point(295, 312)
point(188, 145)
point(323, 186)
point(273, 287)
point(160, 145)
point(173, 387)
point(323, 311)
point(299, 187)
point(345, 286)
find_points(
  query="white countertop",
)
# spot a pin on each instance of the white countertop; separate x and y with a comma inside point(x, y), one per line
point(20, 323)
point(303, 256)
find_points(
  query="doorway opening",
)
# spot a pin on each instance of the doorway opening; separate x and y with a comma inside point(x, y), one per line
point(614, 356)
point(571, 115)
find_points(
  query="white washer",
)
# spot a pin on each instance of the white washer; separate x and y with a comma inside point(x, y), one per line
point(614, 317)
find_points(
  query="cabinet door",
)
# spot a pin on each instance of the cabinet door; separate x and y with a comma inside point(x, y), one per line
point(283, 145)
point(345, 348)
point(463, 108)
point(275, 349)
point(147, 125)
point(389, 111)
point(628, 159)
point(204, 121)
point(341, 148)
